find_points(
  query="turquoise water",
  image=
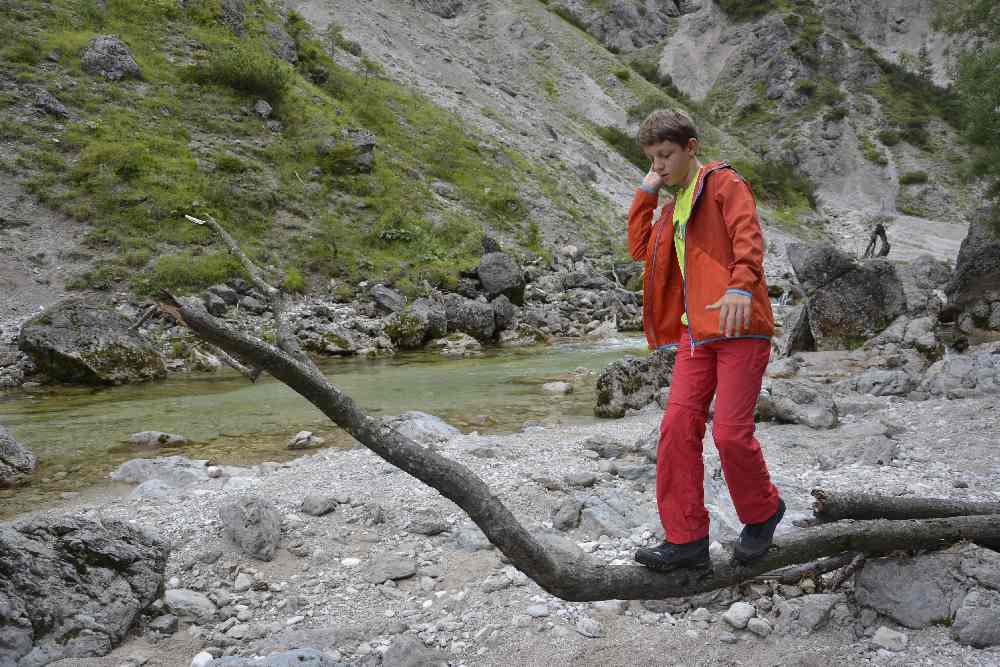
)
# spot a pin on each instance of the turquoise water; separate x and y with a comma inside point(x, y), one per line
point(80, 435)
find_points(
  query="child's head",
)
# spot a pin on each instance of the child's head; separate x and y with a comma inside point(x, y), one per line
point(670, 141)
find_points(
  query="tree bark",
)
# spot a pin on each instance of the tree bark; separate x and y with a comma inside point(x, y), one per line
point(552, 561)
point(834, 506)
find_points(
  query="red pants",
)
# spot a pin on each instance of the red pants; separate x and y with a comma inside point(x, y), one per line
point(732, 370)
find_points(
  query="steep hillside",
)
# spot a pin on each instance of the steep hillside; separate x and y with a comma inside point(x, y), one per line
point(508, 118)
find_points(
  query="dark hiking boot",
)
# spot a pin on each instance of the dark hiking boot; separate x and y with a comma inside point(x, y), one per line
point(756, 538)
point(669, 556)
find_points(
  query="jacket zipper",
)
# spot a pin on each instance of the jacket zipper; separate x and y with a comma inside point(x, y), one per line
point(694, 206)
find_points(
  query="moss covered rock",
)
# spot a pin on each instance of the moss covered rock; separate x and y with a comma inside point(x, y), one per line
point(80, 342)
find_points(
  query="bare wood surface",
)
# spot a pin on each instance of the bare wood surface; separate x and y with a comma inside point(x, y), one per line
point(835, 506)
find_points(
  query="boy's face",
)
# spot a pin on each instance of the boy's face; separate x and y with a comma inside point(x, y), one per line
point(670, 161)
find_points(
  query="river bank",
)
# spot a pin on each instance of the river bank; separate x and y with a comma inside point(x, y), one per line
point(453, 599)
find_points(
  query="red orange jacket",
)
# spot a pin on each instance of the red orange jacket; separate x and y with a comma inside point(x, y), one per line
point(724, 250)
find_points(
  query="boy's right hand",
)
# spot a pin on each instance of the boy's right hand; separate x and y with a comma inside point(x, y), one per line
point(652, 182)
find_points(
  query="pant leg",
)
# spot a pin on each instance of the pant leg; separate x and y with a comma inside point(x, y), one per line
point(680, 472)
point(740, 371)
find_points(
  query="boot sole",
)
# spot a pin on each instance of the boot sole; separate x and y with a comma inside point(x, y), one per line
point(670, 567)
point(743, 557)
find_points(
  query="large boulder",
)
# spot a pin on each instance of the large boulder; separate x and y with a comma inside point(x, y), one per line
point(254, 525)
point(411, 327)
point(973, 373)
point(977, 269)
point(177, 471)
point(71, 587)
point(15, 460)
point(818, 265)
point(499, 274)
point(110, 57)
point(81, 342)
point(632, 383)
point(856, 306)
point(918, 592)
point(923, 280)
point(470, 316)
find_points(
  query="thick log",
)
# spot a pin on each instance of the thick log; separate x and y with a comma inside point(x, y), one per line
point(835, 506)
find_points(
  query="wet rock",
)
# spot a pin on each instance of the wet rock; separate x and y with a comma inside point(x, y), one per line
point(793, 402)
point(632, 383)
point(557, 388)
point(411, 327)
point(15, 459)
point(110, 57)
point(456, 345)
point(305, 440)
point(156, 439)
point(77, 341)
point(254, 525)
point(73, 587)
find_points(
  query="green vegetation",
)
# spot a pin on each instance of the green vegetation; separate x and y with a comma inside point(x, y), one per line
point(623, 73)
point(888, 137)
point(777, 183)
point(626, 145)
point(913, 178)
point(568, 16)
point(978, 83)
point(650, 72)
point(136, 157)
point(871, 151)
point(746, 10)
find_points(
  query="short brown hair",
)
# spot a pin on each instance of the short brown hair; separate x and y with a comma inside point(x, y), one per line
point(667, 125)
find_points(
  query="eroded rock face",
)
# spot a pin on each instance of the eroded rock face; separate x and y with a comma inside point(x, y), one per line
point(109, 57)
point(71, 587)
point(977, 269)
point(86, 343)
point(632, 383)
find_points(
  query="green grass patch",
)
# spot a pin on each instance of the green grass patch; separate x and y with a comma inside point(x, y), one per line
point(913, 178)
point(871, 151)
point(623, 74)
point(777, 183)
point(248, 70)
point(746, 10)
point(626, 146)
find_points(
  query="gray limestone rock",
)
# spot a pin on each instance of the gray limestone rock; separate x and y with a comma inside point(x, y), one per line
point(499, 274)
point(385, 567)
point(254, 525)
point(632, 383)
point(422, 428)
point(110, 57)
point(72, 587)
point(15, 459)
point(77, 341)
point(794, 402)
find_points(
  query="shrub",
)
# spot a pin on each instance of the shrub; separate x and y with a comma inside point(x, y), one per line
point(913, 178)
point(778, 183)
point(805, 87)
point(247, 70)
point(625, 144)
point(294, 283)
point(871, 152)
point(746, 10)
point(623, 74)
point(888, 137)
point(835, 115)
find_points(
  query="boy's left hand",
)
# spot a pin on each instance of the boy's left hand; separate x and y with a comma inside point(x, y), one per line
point(734, 313)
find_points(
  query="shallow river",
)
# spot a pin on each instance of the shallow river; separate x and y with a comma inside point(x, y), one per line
point(80, 435)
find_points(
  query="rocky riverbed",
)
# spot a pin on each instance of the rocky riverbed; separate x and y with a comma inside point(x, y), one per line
point(368, 566)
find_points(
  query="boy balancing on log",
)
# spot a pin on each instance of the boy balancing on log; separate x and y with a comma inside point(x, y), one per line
point(704, 293)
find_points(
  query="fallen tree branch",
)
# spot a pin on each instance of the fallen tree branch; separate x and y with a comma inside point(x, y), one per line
point(552, 561)
point(844, 574)
point(811, 570)
point(834, 506)
point(249, 373)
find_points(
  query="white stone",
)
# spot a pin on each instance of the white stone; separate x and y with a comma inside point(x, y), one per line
point(350, 562)
point(537, 611)
point(588, 627)
point(759, 627)
point(701, 615)
point(890, 639)
point(243, 582)
point(202, 659)
point(739, 614)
